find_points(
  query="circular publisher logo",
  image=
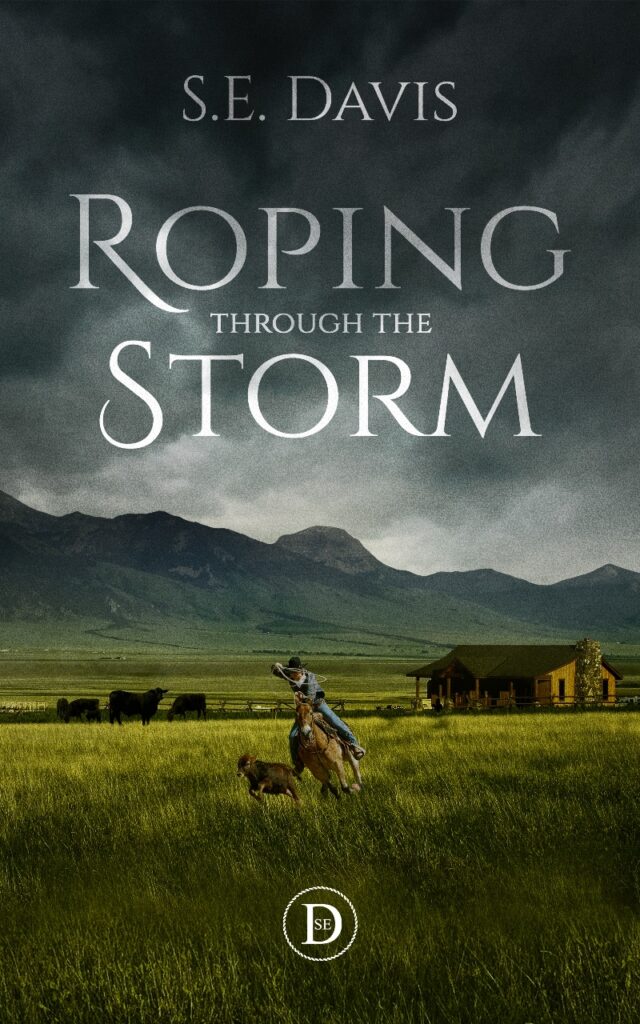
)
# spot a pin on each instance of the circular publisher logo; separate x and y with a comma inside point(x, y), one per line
point(320, 923)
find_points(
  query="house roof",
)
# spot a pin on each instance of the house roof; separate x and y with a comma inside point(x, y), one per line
point(506, 661)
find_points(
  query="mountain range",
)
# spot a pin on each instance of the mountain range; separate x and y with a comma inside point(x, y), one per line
point(158, 579)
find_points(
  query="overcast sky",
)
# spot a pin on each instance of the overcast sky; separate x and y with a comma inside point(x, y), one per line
point(548, 115)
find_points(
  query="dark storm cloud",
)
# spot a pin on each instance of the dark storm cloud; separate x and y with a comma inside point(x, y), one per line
point(549, 115)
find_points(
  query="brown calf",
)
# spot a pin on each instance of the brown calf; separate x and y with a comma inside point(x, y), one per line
point(267, 777)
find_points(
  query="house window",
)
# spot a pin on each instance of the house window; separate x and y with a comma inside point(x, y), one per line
point(562, 689)
point(605, 689)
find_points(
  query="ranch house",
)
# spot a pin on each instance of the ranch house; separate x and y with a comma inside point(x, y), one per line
point(496, 675)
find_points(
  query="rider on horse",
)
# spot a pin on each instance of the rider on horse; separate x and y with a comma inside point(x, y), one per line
point(304, 682)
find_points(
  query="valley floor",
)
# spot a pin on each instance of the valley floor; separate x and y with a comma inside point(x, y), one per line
point(493, 863)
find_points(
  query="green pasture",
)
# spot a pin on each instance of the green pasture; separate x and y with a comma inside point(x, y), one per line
point(493, 862)
point(361, 682)
point(47, 677)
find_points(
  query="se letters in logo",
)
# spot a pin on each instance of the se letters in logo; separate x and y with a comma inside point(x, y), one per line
point(320, 923)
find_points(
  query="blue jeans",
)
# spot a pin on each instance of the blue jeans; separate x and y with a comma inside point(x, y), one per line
point(344, 732)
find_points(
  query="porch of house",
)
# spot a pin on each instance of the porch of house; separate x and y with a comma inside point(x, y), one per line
point(460, 690)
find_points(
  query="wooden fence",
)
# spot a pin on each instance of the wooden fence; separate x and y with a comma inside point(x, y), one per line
point(21, 707)
point(243, 707)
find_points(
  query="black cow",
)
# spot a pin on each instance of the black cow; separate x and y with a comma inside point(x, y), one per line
point(188, 702)
point(123, 702)
point(89, 706)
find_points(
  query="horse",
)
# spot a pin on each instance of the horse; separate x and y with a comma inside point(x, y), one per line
point(322, 751)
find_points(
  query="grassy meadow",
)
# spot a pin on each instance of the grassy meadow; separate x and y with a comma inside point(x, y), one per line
point(43, 676)
point(494, 863)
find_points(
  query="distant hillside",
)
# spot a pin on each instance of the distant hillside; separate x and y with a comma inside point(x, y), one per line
point(156, 578)
point(606, 601)
point(334, 548)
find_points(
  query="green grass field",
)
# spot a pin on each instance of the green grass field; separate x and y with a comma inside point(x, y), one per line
point(493, 862)
point(43, 677)
point(362, 682)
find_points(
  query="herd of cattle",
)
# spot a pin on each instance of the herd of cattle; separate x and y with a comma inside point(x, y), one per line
point(125, 702)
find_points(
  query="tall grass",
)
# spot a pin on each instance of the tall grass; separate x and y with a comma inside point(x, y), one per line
point(494, 865)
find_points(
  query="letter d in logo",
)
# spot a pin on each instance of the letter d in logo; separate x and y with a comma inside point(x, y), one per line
point(317, 925)
point(322, 930)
